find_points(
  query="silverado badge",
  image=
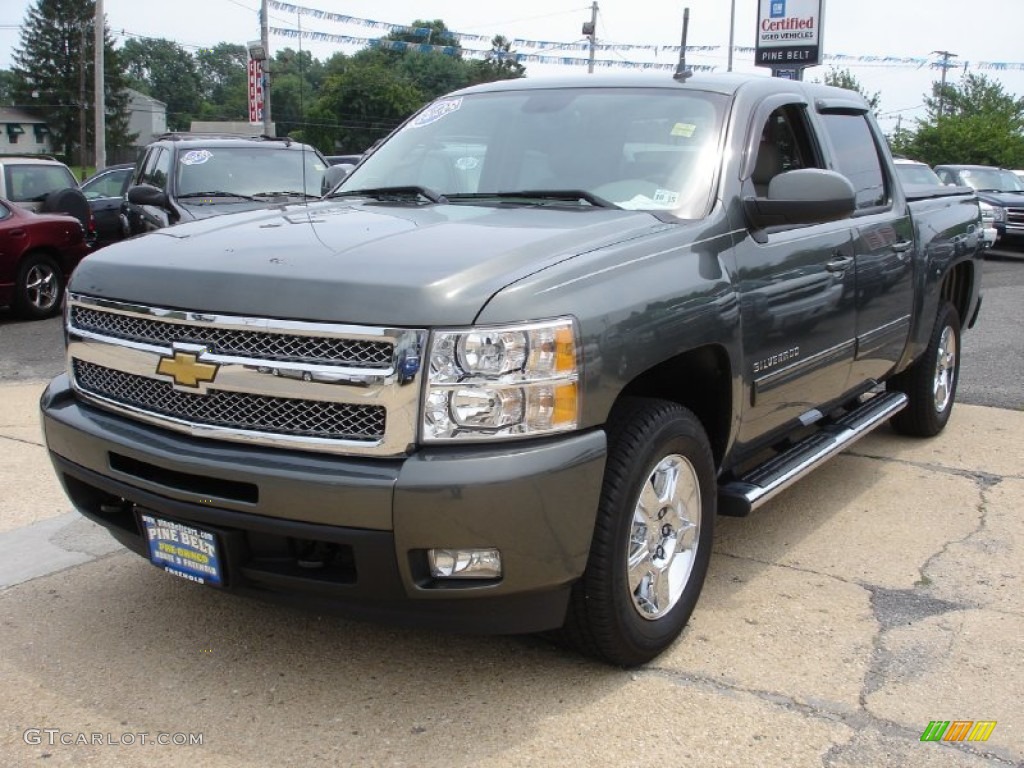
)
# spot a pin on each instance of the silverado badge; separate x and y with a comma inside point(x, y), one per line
point(186, 370)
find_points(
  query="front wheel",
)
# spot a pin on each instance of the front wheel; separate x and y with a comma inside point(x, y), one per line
point(652, 538)
point(930, 383)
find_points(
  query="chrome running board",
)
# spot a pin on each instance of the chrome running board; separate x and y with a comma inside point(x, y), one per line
point(740, 497)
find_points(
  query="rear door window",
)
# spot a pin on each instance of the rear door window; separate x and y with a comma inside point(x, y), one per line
point(857, 157)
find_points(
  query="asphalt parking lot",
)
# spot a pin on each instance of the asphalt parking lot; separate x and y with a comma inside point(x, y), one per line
point(878, 595)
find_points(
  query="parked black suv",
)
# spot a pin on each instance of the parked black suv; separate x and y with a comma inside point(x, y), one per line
point(186, 176)
point(1000, 194)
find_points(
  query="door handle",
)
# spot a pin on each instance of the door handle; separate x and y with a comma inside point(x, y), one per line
point(17, 233)
point(839, 264)
point(902, 245)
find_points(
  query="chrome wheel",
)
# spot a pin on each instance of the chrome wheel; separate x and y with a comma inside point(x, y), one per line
point(663, 537)
point(945, 369)
point(42, 287)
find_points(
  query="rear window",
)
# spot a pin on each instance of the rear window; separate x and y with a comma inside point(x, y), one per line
point(916, 174)
point(31, 183)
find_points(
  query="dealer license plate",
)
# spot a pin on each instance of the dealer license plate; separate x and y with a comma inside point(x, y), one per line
point(183, 550)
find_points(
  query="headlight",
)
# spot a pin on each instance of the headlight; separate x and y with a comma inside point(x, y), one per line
point(991, 213)
point(509, 381)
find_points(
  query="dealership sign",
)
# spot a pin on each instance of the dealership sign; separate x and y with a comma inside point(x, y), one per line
point(255, 91)
point(789, 33)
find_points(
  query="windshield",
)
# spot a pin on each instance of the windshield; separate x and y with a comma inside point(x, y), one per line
point(916, 174)
point(250, 171)
point(992, 179)
point(646, 149)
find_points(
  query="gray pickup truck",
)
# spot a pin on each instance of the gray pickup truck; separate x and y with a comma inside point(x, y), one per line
point(504, 377)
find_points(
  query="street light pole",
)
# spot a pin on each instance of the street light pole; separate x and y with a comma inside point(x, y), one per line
point(732, 31)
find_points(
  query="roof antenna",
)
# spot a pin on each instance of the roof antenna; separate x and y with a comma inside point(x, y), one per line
point(681, 71)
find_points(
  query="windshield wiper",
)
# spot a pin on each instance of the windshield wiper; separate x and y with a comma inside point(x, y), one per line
point(287, 193)
point(394, 193)
point(215, 194)
point(557, 195)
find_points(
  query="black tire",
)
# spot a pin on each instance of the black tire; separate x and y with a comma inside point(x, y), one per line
point(607, 618)
point(930, 382)
point(70, 201)
point(39, 287)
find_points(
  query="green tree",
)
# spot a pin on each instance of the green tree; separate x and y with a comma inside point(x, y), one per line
point(979, 123)
point(358, 107)
point(54, 71)
point(7, 81)
point(843, 78)
point(295, 81)
point(499, 63)
point(167, 72)
point(224, 74)
point(436, 33)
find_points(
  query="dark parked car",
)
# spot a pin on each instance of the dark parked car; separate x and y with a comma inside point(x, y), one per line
point(1000, 192)
point(38, 251)
point(105, 192)
point(187, 176)
point(344, 159)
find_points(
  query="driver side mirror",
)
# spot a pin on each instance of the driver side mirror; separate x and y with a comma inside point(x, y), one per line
point(147, 194)
point(804, 196)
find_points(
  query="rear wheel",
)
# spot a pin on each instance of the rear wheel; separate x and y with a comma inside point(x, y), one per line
point(39, 287)
point(930, 383)
point(652, 539)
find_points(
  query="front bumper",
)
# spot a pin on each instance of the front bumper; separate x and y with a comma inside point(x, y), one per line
point(536, 502)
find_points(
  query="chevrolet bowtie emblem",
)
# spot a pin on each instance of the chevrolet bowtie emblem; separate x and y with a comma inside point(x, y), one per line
point(186, 370)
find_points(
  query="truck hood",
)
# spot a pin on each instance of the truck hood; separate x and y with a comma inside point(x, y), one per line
point(1004, 199)
point(385, 264)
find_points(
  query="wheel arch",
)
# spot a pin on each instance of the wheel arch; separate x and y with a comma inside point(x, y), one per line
point(700, 380)
point(958, 288)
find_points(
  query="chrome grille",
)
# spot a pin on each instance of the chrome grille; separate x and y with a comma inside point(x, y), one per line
point(234, 410)
point(264, 345)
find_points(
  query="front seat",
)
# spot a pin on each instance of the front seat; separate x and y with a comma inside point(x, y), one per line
point(767, 166)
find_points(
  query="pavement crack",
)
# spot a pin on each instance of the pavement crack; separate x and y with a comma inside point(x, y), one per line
point(858, 720)
point(790, 567)
point(21, 441)
point(987, 479)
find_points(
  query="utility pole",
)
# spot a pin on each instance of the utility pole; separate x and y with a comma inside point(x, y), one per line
point(81, 99)
point(265, 39)
point(590, 30)
point(946, 56)
point(100, 102)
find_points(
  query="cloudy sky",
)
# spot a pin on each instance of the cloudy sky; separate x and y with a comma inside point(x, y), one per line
point(887, 44)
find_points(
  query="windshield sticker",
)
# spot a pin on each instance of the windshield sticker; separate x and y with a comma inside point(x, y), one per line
point(436, 111)
point(196, 157)
point(467, 163)
point(684, 129)
point(666, 197)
